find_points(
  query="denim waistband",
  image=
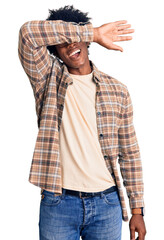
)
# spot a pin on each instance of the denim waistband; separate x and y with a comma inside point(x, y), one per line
point(89, 194)
point(81, 194)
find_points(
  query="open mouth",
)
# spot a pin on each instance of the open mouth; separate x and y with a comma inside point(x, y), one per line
point(75, 54)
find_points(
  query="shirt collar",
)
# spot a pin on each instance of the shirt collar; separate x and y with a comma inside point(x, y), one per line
point(96, 73)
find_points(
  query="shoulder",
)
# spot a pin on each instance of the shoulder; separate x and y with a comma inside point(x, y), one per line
point(113, 83)
point(57, 66)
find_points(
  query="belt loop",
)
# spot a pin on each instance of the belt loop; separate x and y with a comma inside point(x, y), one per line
point(80, 194)
point(102, 194)
point(93, 194)
point(63, 193)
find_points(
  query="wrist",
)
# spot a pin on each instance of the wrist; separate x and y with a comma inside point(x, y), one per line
point(137, 211)
point(96, 33)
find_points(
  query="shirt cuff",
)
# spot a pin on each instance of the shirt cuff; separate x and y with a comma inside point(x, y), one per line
point(136, 202)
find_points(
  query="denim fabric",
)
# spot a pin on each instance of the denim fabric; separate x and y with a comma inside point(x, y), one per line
point(68, 217)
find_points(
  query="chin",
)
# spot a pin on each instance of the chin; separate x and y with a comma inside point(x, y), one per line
point(75, 65)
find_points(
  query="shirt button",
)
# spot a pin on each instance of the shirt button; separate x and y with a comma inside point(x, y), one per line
point(105, 156)
point(99, 113)
point(101, 135)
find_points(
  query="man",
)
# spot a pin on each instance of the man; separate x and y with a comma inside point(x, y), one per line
point(85, 120)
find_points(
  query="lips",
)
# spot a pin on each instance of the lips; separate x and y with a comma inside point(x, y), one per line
point(74, 54)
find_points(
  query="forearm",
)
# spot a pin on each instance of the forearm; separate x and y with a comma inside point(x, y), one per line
point(44, 33)
point(131, 169)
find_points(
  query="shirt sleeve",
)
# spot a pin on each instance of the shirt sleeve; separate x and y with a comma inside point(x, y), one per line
point(129, 156)
point(35, 36)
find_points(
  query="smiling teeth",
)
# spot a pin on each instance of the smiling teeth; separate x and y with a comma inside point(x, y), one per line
point(74, 52)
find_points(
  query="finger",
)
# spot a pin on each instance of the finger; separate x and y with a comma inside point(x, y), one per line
point(123, 38)
point(122, 27)
point(141, 236)
point(116, 47)
point(132, 234)
point(120, 22)
point(126, 31)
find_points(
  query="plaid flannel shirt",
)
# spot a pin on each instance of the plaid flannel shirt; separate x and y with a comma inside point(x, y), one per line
point(49, 78)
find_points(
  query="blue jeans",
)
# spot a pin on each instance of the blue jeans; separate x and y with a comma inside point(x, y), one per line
point(67, 217)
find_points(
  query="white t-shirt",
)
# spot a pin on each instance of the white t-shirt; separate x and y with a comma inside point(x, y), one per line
point(83, 165)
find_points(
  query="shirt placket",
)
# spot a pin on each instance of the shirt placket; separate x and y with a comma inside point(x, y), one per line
point(100, 132)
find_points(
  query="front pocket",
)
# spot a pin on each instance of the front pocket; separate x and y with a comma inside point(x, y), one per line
point(111, 198)
point(50, 200)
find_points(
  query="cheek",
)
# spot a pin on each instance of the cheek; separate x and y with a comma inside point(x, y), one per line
point(64, 57)
point(60, 52)
point(85, 53)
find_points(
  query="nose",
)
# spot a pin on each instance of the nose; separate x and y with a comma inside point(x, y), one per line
point(72, 45)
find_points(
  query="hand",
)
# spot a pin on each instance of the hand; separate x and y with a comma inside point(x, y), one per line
point(137, 224)
point(108, 33)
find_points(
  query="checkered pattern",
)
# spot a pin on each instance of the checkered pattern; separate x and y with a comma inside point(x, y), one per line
point(49, 78)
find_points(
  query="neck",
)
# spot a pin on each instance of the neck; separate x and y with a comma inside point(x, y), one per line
point(84, 70)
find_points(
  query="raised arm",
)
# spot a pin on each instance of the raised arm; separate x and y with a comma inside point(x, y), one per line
point(35, 36)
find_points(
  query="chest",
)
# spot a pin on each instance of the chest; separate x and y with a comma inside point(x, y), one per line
point(107, 110)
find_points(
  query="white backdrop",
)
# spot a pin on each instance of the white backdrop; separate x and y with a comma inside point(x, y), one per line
point(139, 67)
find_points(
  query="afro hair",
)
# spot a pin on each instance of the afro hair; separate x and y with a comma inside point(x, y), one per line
point(67, 14)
